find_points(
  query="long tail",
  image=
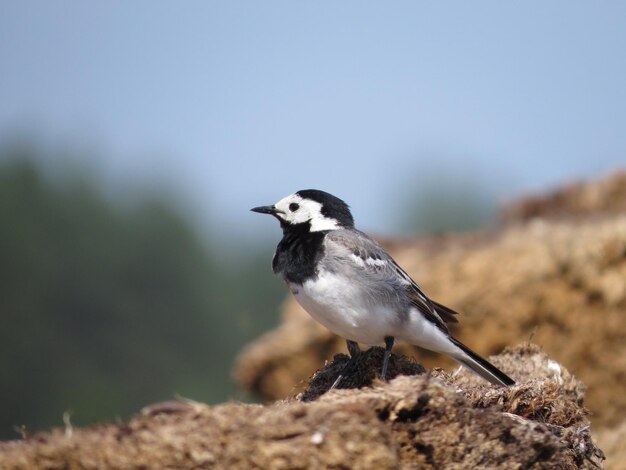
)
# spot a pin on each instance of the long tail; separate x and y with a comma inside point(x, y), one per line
point(479, 365)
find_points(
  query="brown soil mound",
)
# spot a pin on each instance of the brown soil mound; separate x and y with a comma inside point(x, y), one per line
point(424, 421)
point(577, 199)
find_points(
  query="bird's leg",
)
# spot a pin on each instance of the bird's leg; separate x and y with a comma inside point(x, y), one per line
point(354, 350)
point(388, 345)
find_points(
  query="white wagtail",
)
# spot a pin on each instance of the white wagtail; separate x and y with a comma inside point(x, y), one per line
point(351, 285)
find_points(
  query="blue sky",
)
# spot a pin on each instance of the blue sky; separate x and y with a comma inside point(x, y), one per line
point(235, 104)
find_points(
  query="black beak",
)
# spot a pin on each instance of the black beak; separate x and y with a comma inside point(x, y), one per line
point(265, 210)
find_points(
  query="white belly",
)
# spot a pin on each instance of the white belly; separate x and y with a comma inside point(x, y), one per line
point(345, 309)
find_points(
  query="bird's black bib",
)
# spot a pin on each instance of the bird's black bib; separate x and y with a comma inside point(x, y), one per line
point(298, 252)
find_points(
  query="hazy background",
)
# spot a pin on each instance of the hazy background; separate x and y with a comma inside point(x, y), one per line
point(134, 137)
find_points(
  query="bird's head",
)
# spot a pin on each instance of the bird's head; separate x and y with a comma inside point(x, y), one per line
point(310, 209)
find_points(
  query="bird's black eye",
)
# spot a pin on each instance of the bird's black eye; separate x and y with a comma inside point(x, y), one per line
point(294, 206)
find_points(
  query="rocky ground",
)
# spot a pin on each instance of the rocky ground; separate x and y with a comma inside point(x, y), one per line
point(424, 419)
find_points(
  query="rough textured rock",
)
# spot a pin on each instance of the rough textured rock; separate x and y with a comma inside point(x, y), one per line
point(429, 421)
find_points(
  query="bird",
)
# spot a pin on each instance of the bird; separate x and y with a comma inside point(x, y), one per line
point(347, 282)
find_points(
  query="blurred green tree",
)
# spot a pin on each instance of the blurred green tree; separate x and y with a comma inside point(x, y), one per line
point(106, 308)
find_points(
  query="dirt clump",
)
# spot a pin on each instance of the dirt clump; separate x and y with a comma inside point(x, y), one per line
point(429, 420)
point(364, 372)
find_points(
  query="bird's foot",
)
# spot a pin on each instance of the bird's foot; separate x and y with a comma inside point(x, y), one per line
point(389, 340)
point(355, 351)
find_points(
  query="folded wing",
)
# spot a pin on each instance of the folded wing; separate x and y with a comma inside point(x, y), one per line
point(365, 254)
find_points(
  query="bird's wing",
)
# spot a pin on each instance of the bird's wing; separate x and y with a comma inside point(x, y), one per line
point(363, 253)
point(448, 315)
point(434, 311)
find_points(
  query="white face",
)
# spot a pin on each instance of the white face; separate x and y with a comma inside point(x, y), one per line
point(294, 209)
